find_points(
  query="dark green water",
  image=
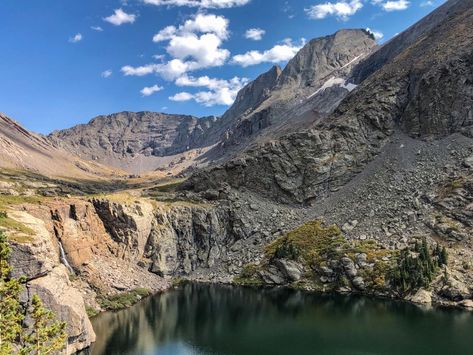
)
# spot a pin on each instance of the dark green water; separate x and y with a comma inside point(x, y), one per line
point(199, 319)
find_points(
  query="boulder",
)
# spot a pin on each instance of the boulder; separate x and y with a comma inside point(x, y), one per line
point(290, 269)
point(421, 297)
point(349, 267)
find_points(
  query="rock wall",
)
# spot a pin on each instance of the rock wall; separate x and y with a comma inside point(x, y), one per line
point(38, 261)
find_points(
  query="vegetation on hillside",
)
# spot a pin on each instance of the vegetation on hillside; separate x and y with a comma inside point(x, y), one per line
point(416, 267)
point(25, 328)
point(319, 248)
point(122, 300)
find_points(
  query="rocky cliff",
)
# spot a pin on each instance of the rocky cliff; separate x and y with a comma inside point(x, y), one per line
point(425, 92)
point(138, 141)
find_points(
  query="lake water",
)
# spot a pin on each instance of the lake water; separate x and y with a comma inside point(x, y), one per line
point(200, 319)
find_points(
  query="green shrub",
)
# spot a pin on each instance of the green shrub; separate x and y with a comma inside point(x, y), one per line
point(309, 242)
point(122, 300)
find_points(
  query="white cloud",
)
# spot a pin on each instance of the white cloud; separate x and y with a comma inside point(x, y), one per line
point(159, 57)
point(139, 71)
point(200, 23)
point(426, 3)
point(205, 50)
point(96, 28)
point(120, 17)
point(196, 44)
point(205, 4)
point(221, 92)
point(182, 96)
point(395, 5)
point(165, 34)
point(147, 91)
point(170, 70)
point(279, 53)
point(106, 74)
point(256, 34)
point(341, 9)
point(76, 38)
point(376, 34)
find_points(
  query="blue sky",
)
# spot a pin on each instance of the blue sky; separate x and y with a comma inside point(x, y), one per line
point(66, 61)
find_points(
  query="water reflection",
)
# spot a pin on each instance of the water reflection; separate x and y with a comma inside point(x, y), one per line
point(200, 319)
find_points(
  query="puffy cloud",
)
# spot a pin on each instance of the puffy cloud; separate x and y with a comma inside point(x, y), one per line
point(205, 50)
point(182, 96)
point(76, 38)
point(279, 53)
point(200, 23)
point(256, 34)
point(194, 45)
point(147, 91)
point(341, 9)
point(395, 5)
point(221, 92)
point(96, 28)
point(170, 70)
point(376, 34)
point(106, 74)
point(120, 17)
point(205, 4)
point(165, 34)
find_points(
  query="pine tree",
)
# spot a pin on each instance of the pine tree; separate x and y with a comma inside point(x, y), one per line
point(444, 256)
point(47, 335)
point(11, 314)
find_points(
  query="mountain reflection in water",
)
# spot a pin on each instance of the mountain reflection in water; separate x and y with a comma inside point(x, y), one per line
point(211, 319)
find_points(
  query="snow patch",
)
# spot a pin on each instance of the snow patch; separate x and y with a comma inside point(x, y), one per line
point(333, 81)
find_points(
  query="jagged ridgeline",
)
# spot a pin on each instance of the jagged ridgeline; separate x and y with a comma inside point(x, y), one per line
point(348, 170)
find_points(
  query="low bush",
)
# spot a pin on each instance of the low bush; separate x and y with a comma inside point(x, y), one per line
point(122, 300)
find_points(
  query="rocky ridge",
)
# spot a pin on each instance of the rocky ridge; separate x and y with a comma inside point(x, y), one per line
point(312, 84)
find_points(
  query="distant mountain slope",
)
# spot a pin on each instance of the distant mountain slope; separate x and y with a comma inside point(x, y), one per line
point(21, 149)
point(139, 141)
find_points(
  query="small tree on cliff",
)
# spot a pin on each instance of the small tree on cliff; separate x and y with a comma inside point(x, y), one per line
point(11, 313)
point(45, 336)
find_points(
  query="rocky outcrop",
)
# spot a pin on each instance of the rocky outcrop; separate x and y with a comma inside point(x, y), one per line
point(36, 259)
point(310, 86)
point(417, 93)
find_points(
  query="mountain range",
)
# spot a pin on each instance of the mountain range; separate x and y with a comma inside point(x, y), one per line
point(372, 143)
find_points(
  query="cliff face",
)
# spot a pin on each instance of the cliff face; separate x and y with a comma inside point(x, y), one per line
point(137, 141)
point(311, 85)
point(425, 93)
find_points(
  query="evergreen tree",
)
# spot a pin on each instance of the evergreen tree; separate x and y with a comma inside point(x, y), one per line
point(11, 314)
point(46, 336)
point(444, 257)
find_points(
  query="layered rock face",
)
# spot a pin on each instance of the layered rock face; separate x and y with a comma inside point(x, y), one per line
point(137, 142)
point(38, 261)
point(425, 92)
point(310, 86)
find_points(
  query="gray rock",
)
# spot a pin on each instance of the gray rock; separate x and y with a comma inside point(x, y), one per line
point(359, 283)
point(290, 269)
